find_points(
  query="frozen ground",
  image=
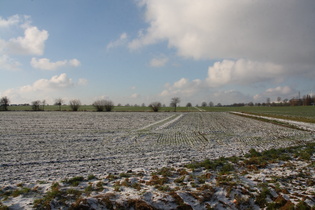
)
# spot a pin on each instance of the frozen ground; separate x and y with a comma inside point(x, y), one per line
point(126, 153)
point(301, 125)
point(48, 146)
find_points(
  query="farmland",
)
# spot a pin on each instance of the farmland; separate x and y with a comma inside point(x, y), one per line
point(54, 145)
point(298, 113)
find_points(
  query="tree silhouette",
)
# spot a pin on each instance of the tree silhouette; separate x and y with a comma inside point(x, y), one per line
point(155, 106)
point(75, 104)
point(4, 102)
point(59, 102)
point(36, 105)
point(174, 102)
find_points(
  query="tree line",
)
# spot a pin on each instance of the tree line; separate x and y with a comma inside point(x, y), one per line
point(75, 104)
point(108, 105)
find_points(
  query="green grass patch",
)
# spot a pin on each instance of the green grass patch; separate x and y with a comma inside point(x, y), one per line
point(222, 165)
point(75, 181)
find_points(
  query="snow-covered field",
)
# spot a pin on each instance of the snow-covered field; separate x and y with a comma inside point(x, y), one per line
point(47, 146)
point(119, 160)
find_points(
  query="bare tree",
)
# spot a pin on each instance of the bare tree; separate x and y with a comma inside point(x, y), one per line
point(307, 100)
point(155, 106)
point(204, 104)
point(109, 105)
point(188, 104)
point(211, 104)
point(268, 101)
point(174, 102)
point(102, 105)
point(4, 102)
point(44, 104)
point(99, 105)
point(75, 104)
point(59, 102)
point(36, 105)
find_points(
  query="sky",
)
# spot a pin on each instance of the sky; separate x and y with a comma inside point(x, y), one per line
point(141, 51)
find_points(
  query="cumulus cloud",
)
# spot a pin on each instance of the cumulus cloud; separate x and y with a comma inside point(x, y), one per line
point(9, 63)
point(46, 64)
point(158, 62)
point(74, 62)
point(56, 82)
point(242, 72)
point(12, 20)
point(182, 87)
point(43, 88)
point(119, 42)
point(274, 31)
point(32, 43)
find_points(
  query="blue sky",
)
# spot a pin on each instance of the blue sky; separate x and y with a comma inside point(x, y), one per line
point(140, 51)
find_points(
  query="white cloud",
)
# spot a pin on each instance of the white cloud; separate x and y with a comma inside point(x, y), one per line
point(119, 42)
point(182, 87)
point(82, 82)
point(43, 88)
point(280, 31)
point(56, 82)
point(12, 20)
point(242, 72)
point(135, 95)
point(32, 43)
point(74, 62)
point(280, 90)
point(158, 62)
point(9, 63)
point(255, 42)
point(45, 64)
point(180, 83)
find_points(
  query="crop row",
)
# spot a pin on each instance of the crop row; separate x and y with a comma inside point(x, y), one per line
point(212, 129)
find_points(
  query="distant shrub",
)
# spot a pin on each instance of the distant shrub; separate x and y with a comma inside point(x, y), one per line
point(155, 106)
point(102, 105)
point(36, 105)
point(75, 104)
